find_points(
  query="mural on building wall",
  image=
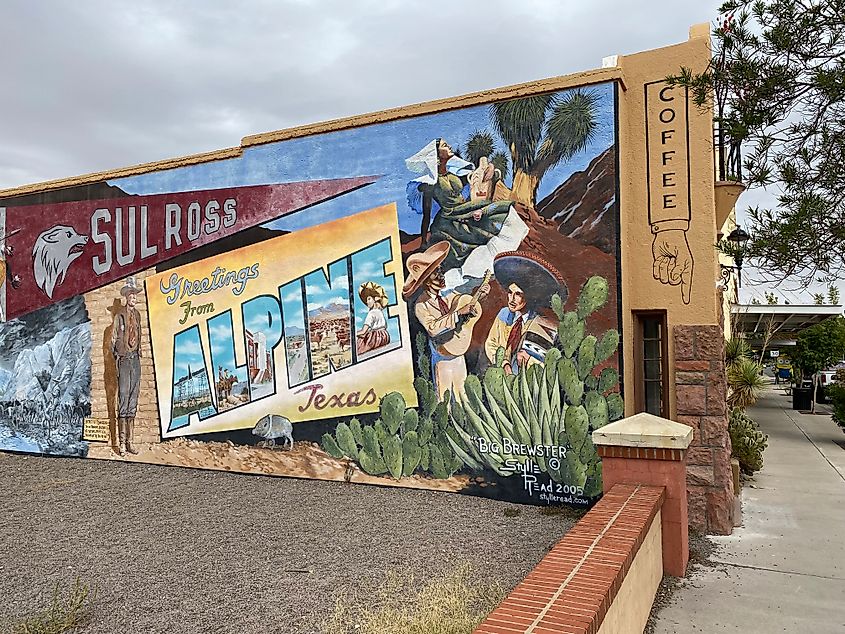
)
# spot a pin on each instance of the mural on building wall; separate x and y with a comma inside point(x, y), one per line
point(430, 302)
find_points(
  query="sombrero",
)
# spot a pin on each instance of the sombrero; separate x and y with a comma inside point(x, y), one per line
point(374, 290)
point(538, 279)
point(422, 265)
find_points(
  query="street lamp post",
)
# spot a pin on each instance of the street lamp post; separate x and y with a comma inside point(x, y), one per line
point(738, 238)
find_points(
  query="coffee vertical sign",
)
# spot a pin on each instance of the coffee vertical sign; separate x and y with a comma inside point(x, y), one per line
point(668, 176)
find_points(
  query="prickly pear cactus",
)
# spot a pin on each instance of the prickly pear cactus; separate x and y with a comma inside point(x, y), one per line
point(402, 441)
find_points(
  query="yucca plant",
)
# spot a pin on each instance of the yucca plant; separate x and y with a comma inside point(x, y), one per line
point(736, 350)
point(745, 383)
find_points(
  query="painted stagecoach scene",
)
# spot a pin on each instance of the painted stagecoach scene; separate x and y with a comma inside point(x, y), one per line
point(428, 302)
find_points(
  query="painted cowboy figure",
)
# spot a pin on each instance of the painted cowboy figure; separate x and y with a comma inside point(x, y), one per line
point(434, 308)
point(518, 328)
point(126, 348)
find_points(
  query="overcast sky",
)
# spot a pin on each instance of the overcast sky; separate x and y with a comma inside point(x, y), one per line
point(100, 84)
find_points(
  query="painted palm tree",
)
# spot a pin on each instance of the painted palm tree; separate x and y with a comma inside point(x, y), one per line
point(541, 131)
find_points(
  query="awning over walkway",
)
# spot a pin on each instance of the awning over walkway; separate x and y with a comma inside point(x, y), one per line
point(783, 321)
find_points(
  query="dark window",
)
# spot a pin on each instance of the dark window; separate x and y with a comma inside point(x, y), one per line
point(650, 357)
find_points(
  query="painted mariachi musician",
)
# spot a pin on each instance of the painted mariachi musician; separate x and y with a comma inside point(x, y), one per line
point(519, 329)
point(447, 316)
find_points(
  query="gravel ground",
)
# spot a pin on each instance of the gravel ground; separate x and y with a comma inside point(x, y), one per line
point(179, 550)
point(701, 549)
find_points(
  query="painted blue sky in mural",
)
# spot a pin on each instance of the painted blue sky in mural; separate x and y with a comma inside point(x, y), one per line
point(379, 149)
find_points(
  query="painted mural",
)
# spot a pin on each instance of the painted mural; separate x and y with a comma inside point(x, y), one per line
point(429, 302)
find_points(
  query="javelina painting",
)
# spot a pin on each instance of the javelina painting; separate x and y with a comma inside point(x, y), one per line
point(271, 427)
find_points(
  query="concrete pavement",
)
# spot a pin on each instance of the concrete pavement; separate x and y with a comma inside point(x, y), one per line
point(783, 570)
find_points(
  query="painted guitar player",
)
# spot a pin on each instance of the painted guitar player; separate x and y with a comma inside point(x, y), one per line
point(446, 315)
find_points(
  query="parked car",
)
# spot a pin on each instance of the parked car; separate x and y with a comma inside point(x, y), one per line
point(825, 379)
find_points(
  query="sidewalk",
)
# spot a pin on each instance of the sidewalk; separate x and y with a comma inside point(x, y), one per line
point(783, 570)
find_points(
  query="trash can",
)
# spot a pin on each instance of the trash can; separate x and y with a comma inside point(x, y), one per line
point(802, 398)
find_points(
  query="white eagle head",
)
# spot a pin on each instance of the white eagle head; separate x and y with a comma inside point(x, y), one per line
point(54, 251)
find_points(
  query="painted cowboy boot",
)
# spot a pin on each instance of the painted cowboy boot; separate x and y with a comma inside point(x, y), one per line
point(130, 424)
point(121, 435)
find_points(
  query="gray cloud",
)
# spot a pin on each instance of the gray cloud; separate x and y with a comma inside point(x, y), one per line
point(95, 85)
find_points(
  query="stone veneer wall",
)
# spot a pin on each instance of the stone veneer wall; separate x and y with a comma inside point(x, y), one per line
point(700, 389)
point(102, 304)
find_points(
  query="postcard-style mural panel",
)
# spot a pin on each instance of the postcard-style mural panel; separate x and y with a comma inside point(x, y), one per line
point(431, 302)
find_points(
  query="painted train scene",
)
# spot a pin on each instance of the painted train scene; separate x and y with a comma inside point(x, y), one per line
point(431, 302)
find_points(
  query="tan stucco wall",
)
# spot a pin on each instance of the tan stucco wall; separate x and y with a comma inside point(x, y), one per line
point(630, 609)
point(640, 290)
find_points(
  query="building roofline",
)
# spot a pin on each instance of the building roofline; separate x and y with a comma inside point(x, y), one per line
point(574, 80)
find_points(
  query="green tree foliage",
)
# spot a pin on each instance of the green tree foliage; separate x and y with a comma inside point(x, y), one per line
point(836, 394)
point(479, 145)
point(819, 347)
point(832, 295)
point(777, 80)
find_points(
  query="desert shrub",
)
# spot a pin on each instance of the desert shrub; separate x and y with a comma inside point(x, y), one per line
point(745, 383)
point(70, 610)
point(452, 603)
point(747, 441)
point(836, 394)
point(736, 350)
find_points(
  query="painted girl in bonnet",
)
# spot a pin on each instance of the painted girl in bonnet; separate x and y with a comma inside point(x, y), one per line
point(374, 333)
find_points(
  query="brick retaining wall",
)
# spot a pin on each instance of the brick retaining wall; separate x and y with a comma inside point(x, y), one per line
point(600, 577)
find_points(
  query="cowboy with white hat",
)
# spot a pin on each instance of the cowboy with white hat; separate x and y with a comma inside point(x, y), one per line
point(433, 310)
point(126, 348)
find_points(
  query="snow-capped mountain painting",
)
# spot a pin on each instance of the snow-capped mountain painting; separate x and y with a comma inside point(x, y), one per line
point(45, 380)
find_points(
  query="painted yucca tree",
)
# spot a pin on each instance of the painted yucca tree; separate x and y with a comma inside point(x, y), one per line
point(541, 131)
point(481, 145)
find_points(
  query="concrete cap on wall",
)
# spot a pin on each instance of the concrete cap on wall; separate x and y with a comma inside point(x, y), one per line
point(644, 430)
point(702, 29)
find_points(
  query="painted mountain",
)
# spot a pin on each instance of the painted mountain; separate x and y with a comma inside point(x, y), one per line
point(580, 205)
point(335, 310)
point(45, 380)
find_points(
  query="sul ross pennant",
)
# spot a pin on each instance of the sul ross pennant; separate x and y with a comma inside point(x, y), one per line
point(55, 251)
